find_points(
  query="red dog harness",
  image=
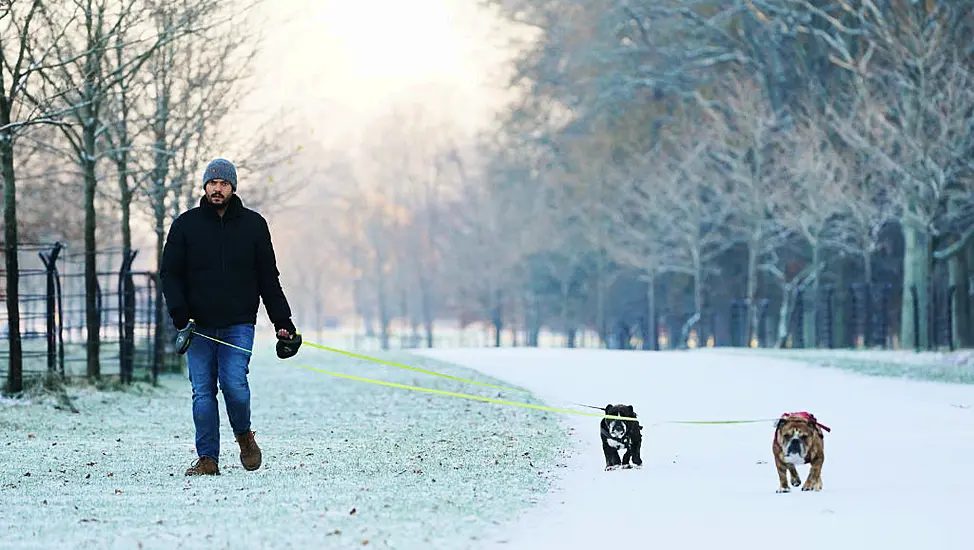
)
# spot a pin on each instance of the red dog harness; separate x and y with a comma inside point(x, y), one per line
point(806, 416)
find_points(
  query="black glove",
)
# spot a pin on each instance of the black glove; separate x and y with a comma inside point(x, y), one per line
point(184, 337)
point(288, 347)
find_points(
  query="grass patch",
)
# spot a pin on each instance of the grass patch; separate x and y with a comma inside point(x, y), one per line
point(345, 463)
point(955, 367)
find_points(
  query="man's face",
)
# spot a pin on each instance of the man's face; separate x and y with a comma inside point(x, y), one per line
point(218, 192)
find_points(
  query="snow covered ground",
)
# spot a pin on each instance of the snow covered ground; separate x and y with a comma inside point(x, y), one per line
point(350, 465)
point(895, 476)
point(346, 465)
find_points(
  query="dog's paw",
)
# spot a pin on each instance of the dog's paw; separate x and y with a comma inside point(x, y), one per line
point(783, 490)
point(612, 467)
point(815, 488)
point(795, 482)
point(626, 467)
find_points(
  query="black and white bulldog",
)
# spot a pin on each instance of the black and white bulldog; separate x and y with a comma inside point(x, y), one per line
point(621, 434)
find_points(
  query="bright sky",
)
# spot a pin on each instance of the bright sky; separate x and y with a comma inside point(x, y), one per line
point(339, 61)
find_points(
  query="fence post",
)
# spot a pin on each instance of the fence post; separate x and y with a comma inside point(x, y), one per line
point(50, 266)
point(156, 314)
point(735, 323)
point(933, 315)
point(828, 321)
point(763, 323)
point(883, 313)
point(950, 316)
point(916, 317)
point(873, 326)
point(799, 334)
point(126, 318)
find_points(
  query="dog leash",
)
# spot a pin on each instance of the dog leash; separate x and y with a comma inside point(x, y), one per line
point(484, 399)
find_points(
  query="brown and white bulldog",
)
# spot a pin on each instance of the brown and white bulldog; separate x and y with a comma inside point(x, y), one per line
point(798, 439)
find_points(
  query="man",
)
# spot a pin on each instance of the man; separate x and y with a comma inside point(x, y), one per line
point(217, 263)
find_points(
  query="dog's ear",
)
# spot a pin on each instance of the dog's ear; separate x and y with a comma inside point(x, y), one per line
point(778, 423)
point(630, 410)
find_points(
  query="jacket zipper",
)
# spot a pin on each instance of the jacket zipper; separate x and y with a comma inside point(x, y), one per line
point(223, 245)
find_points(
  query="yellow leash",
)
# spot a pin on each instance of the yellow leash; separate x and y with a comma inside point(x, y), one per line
point(466, 395)
point(417, 369)
point(377, 360)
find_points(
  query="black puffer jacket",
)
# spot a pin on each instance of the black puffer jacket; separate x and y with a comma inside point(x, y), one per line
point(214, 270)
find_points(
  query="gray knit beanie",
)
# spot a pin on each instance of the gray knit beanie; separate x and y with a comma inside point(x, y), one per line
point(221, 169)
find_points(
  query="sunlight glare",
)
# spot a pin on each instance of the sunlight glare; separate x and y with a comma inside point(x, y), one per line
point(392, 39)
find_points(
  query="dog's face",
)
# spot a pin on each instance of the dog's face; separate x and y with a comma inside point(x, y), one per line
point(619, 428)
point(795, 436)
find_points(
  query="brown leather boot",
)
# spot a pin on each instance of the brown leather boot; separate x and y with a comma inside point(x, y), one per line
point(203, 466)
point(249, 451)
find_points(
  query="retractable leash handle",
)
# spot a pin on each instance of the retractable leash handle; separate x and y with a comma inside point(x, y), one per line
point(184, 336)
point(288, 347)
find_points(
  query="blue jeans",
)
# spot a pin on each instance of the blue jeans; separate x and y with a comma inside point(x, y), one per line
point(211, 362)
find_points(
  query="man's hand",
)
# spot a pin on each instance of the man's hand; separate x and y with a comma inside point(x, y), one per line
point(288, 343)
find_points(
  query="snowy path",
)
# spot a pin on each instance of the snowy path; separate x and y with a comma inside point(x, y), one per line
point(895, 476)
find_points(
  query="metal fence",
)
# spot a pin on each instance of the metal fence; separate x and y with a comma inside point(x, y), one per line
point(53, 325)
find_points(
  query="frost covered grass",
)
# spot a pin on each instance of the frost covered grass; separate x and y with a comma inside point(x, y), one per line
point(345, 463)
point(935, 366)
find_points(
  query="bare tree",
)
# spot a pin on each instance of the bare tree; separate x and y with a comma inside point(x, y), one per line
point(416, 157)
point(25, 56)
point(816, 184)
point(913, 120)
point(747, 155)
point(86, 80)
point(696, 205)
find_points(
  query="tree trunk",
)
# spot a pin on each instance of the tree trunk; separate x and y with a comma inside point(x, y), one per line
point(843, 333)
point(784, 312)
point(566, 324)
point(600, 297)
point(127, 336)
point(426, 298)
point(960, 300)
point(15, 367)
point(652, 331)
point(403, 312)
point(867, 267)
point(812, 303)
point(160, 175)
point(92, 310)
point(751, 314)
point(497, 317)
point(382, 300)
point(532, 319)
point(916, 277)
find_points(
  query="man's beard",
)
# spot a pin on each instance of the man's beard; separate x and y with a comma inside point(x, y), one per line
point(221, 204)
